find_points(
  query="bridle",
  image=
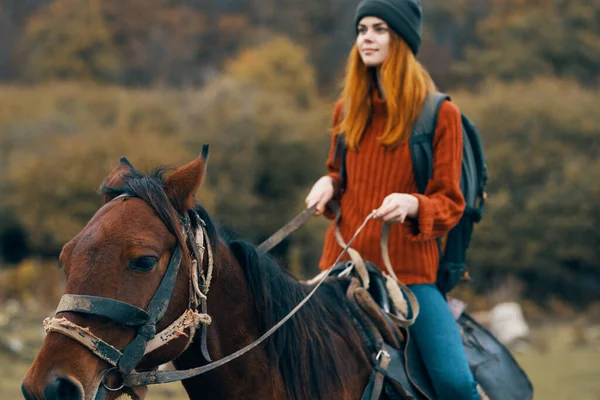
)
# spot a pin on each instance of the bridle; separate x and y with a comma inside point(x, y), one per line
point(146, 339)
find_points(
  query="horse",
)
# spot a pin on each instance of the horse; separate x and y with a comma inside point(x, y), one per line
point(150, 255)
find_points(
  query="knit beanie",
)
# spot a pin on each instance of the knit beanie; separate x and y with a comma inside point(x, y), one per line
point(403, 16)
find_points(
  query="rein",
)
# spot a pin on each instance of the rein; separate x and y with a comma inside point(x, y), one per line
point(146, 339)
point(155, 377)
point(290, 227)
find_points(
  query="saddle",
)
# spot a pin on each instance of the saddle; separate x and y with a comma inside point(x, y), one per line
point(377, 288)
point(398, 369)
point(372, 308)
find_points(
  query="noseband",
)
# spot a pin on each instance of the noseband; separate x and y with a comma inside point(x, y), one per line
point(146, 339)
point(146, 320)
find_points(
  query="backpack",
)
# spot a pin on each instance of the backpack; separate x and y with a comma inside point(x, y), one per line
point(473, 184)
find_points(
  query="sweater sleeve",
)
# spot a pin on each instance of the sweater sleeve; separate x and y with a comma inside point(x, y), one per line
point(442, 204)
point(333, 163)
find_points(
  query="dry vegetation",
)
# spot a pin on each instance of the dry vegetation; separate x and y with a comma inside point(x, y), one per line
point(562, 362)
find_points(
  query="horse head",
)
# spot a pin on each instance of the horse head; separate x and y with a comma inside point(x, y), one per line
point(135, 285)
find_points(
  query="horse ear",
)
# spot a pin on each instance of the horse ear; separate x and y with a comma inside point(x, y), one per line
point(181, 186)
point(117, 178)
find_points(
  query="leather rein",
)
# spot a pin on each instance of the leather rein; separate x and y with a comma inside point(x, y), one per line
point(155, 377)
point(146, 339)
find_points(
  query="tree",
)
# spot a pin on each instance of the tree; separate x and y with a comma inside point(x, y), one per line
point(267, 151)
point(542, 146)
point(277, 66)
point(531, 38)
point(270, 129)
point(68, 39)
point(157, 41)
point(54, 194)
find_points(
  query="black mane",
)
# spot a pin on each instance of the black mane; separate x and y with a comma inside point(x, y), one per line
point(149, 187)
point(304, 347)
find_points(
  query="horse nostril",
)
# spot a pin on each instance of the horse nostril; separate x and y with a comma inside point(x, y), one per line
point(26, 394)
point(63, 389)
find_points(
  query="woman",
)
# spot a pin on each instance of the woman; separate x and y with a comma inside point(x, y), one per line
point(384, 90)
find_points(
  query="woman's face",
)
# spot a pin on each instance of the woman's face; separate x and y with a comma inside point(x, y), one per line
point(373, 41)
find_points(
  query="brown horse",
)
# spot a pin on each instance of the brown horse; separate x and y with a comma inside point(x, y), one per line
point(124, 252)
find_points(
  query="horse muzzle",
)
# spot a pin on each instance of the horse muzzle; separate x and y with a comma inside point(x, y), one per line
point(61, 388)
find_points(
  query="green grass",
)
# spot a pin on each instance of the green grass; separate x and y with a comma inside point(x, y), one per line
point(561, 371)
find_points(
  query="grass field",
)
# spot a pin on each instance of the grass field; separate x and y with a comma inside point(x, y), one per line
point(559, 371)
point(563, 371)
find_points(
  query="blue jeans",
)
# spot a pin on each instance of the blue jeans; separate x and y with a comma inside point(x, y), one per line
point(438, 339)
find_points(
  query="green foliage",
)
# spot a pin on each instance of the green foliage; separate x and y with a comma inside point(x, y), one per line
point(157, 41)
point(267, 148)
point(55, 193)
point(537, 38)
point(68, 39)
point(261, 111)
point(277, 66)
point(185, 42)
point(542, 146)
point(271, 132)
point(59, 141)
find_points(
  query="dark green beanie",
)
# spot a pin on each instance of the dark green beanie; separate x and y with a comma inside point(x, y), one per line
point(403, 16)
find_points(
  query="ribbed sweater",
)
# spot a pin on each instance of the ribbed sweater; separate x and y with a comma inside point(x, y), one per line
point(373, 172)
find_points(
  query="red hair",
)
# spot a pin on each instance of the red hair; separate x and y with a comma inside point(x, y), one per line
point(405, 83)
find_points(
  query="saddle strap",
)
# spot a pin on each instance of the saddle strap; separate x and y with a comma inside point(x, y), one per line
point(380, 370)
point(390, 332)
point(359, 263)
point(375, 385)
point(361, 269)
point(410, 296)
point(371, 334)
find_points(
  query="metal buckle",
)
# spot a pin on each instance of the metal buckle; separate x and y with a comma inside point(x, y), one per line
point(108, 371)
point(382, 352)
point(347, 270)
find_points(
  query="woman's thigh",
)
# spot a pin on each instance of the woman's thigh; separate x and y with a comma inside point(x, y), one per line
point(438, 339)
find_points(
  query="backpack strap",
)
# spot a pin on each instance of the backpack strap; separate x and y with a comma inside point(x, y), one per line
point(421, 139)
point(340, 152)
point(421, 142)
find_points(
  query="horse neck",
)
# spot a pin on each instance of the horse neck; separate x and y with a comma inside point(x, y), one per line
point(231, 306)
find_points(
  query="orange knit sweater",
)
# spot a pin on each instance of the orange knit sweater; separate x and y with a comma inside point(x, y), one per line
point(375, 172)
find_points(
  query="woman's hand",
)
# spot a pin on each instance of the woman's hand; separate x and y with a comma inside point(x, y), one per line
point(396, 207)
point(320, 194)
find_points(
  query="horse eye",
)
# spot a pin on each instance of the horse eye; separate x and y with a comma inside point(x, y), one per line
point(143, 263)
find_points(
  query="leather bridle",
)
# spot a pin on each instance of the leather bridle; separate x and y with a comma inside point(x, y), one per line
point(146, 339)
